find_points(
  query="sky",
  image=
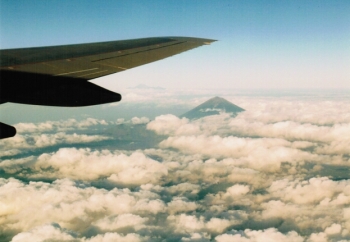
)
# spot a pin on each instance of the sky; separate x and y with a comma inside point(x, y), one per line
point(261, 44)
point(135, 171)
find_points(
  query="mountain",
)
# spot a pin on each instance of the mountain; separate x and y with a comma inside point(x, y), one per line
point(213, 106)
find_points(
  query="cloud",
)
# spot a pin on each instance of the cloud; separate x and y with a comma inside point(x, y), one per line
point(181, 204)
point(75, 206)
point(260, 235)
point(84, 164)
point(292, 131)
point(263, 154)
point(61, 125)
point(315, 190)
point(277, 172)
point(333, 229)
point(31, 136)
point(136, 120)
point(322, 111)
point(59, 138)
point(45, 232)
point(199, 237)
point(237, 190)
point(117, 237)
point(188, 223)
point(172, 125)
point(53, 232)
point(331, 233)
point(121, 222)
point(20, 143)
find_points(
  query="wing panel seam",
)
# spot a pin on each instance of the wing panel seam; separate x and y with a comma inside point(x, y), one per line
point(62, 74)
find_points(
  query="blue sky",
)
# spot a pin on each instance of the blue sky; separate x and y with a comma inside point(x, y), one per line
point(262, 44)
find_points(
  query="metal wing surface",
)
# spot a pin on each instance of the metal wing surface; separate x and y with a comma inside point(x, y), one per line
point(89, 61)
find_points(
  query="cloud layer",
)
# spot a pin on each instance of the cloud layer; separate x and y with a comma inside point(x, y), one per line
point(277, 172)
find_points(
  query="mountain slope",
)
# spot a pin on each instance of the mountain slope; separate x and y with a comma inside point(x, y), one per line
point(213, 106)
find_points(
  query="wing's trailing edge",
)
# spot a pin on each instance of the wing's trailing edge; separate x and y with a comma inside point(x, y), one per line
point(58, 75)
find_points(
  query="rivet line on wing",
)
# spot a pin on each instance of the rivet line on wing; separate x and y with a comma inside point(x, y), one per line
point(76, 72)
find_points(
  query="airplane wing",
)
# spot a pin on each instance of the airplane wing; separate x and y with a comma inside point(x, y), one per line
point(58, 75)
point(89, 61)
